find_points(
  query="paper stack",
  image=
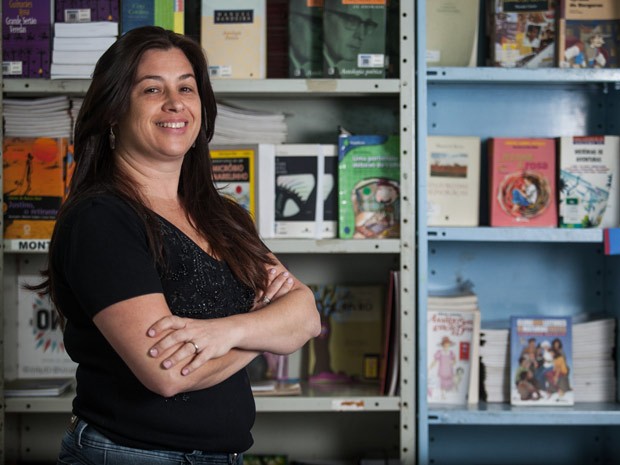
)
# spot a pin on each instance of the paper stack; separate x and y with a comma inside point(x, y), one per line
point(495, 364)
point(236, 125)
point(39, 117)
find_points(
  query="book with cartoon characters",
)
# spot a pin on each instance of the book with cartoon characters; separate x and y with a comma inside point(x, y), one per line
point(522, 182)
point(541, 361)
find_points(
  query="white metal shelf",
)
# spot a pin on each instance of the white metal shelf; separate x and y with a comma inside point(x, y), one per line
point(494, 234)
point(522, 75)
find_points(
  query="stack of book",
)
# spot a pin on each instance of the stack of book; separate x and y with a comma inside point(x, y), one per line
point(494, 362)
point(39, 117)
point(236, 125)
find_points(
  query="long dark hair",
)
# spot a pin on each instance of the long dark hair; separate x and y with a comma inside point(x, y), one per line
point(229, 229)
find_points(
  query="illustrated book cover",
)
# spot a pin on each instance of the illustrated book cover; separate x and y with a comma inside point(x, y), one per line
point(453, 180)
point(452, 352)
point(26, 39)
point(588, 182)
point(349, 348)
point(74, 11)
point(298, 191)
point(234, 35)
point(33, 185)
point(354, 39)
point(522, 182)
point(541, 361)
point(169, 14)
point(453, 38)
point(368, 186)
point(589, 34)
point(305, 38)
point(522, 33)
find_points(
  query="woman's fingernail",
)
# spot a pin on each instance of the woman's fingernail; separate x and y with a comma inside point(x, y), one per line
point(285, 273)
point(185, 372)
point(151, 332)
point(153, 352)
point(272, 271)
point(289, 281)
point(167, 364)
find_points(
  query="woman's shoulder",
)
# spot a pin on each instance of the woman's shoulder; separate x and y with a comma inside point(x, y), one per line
point(100, 207)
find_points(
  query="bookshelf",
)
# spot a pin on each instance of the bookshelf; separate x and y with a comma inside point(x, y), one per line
point(548, 271)
point(339, 423)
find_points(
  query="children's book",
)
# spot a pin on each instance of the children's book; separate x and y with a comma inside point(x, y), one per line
point(522, 182)
point(522, 33)
point(354, 39)
point(26, 39)
point(77, 11)
point(453, 182)
point(368, 186)
point(589, 176)
point(541, 361)
point(305, 38)
point(452, 39)
point(234, 35)
point(589, 34)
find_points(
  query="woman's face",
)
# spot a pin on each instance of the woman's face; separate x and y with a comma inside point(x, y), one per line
point(165, 111)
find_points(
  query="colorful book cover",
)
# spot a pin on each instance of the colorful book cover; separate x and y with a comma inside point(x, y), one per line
point(354, 38)
point(71, 11)
point(33, 185)
point(26, 39)
point(169, 14)
point(541, 361)
point(453, 182)
point(305, 38)
point(589, 34)
point(350, 346)
point(451, 340)
point(368, 186)
point(40, 348)
point(234, 35)
point(522, 33)
point(523, 182)
point(588, 184)
point(234, 174)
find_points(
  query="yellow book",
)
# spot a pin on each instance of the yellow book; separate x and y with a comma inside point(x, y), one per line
point(234, 174)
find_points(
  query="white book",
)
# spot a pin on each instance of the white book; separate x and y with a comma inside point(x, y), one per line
point(83, 43)
point(84, 57)
point(80, 71)
point(91, 29)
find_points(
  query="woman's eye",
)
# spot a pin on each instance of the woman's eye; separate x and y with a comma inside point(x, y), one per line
point(186, 89)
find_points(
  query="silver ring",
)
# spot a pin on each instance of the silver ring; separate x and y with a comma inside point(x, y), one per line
point(195, 346)
point(266, 300)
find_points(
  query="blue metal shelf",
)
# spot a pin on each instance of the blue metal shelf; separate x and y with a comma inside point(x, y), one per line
point(487, 234)
point(521, 75)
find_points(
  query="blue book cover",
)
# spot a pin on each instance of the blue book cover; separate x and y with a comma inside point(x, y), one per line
point(136, 13)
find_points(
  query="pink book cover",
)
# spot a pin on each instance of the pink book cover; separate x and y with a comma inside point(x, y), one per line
point(522, 182)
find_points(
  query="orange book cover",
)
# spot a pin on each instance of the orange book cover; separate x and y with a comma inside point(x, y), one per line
point(522, 182)
point(33, 185)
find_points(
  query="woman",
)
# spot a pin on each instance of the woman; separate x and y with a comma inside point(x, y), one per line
point(166, 290)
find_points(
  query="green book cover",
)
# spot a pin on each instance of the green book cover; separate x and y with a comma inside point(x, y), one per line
point(305, 38)
point(354, 38)
point(368, 186)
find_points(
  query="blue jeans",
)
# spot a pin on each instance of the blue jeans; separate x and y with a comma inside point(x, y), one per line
point(84, 445)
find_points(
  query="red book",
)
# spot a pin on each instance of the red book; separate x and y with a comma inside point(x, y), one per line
point(522, 182)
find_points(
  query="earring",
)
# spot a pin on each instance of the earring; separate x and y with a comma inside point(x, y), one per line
point(112, 139)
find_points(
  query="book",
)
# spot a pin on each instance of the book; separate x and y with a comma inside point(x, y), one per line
point(26, 39)
point(541, 361)
point(354, 39)
point(275, 388)
point(453, 180)
point(522, 33)
point(298, 191)
point(72, 11)
point(589, 34)
point(33, 185)
point(40, 348)
point(236, 125)
point(522, 182)
point(350, 345)
point(69, 44)
point(277, 39)
point(611, 241)
point(92, 29)
point(588, 182)
point(234, 35)
point(234, 174)
point(368, 186)
point(84, 57)
point(389, 356)
point(453, 38)
point(37, 387)
point(452, 340)
point(72, 71)
point(305, 38)
point(169, 14)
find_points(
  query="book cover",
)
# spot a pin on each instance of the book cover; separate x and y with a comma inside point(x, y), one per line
point(351, 342)
point(589, 34)
point(305, 38)
point(541, 361)
point(234, 174)
point(453, 38)
point(234, 35)
point(451, 337)
point(368, 186)
point(71, 11)
point(33, 185)
point(169, 14)
point(40, 348)
point(522, 33)
point(297, 202)
point(588, 182)
point(453, 180)
point(26, 39)
point(354, 38)
point(523, 182)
